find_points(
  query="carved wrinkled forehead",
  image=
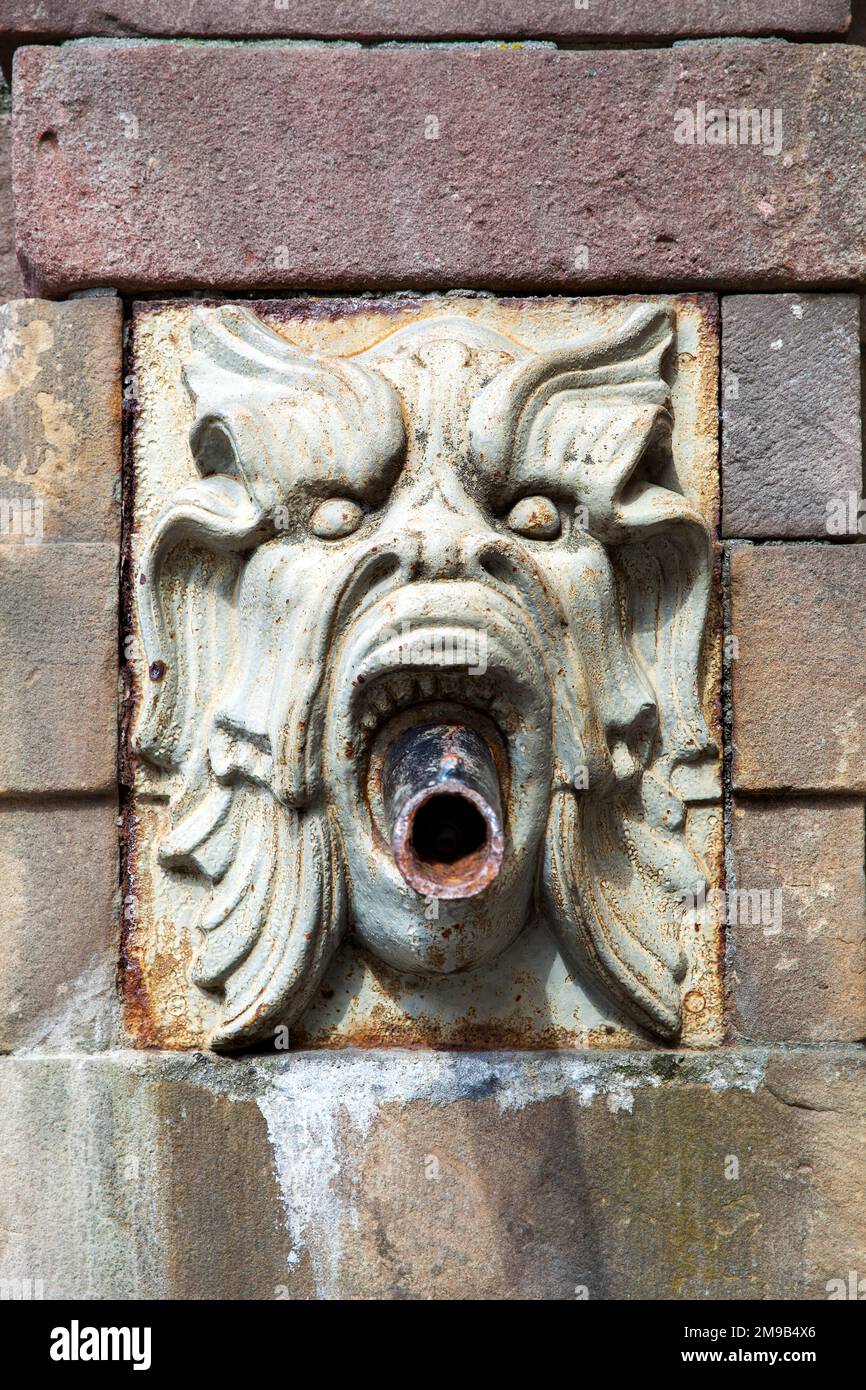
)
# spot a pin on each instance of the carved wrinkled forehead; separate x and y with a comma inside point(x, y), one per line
point(282, 422)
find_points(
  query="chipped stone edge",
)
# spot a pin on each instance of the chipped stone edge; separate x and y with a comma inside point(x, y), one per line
point(363, 1080)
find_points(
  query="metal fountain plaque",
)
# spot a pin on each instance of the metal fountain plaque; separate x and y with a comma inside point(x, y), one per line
point(423, 673)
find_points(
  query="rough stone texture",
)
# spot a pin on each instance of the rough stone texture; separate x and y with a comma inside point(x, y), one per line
point(798, 959)
point(431, 1176)
point(791, 439)
point(163, 1187)
point(58, 925)
point(60, 387)
point(58, 654)
point(799, 673)
point(11, 283)
point(168, 165)
point(427, 18)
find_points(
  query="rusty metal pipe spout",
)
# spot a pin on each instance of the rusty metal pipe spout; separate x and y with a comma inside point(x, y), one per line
point(443, 810)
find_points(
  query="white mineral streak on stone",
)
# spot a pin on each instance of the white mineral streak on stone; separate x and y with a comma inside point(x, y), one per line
point(302, 1128)
point(620, 1100)
point(21, 347)
point(310, 1103)
point(734, 1071)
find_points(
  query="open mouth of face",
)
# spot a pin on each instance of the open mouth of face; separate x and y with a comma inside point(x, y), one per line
point(440, 737)
point(392, 694)
point(438, 641)
point(434, 770)
point(435, 743)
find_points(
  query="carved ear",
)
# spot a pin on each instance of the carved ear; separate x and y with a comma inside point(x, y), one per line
point(593, 416)
point(266, 856)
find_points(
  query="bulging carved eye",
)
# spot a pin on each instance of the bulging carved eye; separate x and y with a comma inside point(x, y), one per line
point(535, 517)
point(336, 517)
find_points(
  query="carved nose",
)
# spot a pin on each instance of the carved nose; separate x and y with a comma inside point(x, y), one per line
point(446, 546)
point(441, 525)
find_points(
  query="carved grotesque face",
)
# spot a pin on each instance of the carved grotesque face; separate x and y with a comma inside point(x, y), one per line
point(446, 530)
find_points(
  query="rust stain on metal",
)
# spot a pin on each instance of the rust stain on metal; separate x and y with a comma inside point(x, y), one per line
point(133, 985)
point(382, 1027)
point(443, 806)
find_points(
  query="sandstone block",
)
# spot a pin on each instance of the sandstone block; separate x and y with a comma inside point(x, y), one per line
point(169, 165)
point(791, 437)
point(58, 654)
point(10, 275)
point(799, 667)
point(426, 1175)
point(798, 934)
point(376, 19)
point(60, 370)
point(59, 866)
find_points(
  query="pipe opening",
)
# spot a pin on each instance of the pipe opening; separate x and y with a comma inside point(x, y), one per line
point(446, 829)
point(441, 797)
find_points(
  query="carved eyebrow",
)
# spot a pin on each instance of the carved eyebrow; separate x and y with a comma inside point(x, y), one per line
point(627, 362)
point(581, 445)
point(277, 418)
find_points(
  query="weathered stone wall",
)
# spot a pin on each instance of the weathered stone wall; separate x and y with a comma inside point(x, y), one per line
point(435, 1175)
point(532, 154)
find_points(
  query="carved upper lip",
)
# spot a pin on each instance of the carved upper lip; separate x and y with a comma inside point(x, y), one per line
point(443, 640)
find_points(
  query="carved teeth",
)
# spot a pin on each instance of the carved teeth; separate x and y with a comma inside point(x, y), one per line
point(379, 699)
point(398, 691)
